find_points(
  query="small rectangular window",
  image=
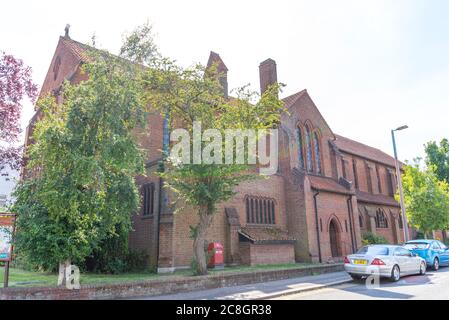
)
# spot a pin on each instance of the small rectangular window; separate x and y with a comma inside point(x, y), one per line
point(148, 199)
point(369, 179)
point(379, 183)
point(356, 177)
point(390, 178)
point(343, 167)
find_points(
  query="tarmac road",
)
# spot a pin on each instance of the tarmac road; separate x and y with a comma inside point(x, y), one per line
point(433, 285)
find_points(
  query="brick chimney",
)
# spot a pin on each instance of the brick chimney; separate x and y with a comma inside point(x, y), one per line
point(214, 58)
point(267, 74)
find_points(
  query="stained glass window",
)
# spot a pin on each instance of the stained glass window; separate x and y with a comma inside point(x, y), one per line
point(300, 147)
point(309, 150)
point(317, 152)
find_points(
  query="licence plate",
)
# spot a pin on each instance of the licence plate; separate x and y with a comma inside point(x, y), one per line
point(360, 261)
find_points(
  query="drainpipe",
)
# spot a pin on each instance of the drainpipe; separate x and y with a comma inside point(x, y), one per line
point(350, 214)
point(161, 181)
point(317, 225)
point(165, 150)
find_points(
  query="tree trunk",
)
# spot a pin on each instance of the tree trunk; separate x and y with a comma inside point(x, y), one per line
point(198, 242)
point(62, 277)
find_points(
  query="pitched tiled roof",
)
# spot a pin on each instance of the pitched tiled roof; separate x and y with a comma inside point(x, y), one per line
point(363, 150)
point(290, 100)
point(266, 234)
point(376, 199)
point(77, 48)
point(327, 184)
point(81, 51)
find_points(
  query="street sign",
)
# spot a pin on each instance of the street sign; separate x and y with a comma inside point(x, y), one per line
point(7, 224)
point(6, 231)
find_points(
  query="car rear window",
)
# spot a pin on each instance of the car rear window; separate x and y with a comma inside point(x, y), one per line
point(383, 251)
point(416, 245)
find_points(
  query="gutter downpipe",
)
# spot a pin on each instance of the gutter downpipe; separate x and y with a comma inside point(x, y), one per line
point(158, 240)
point(317, 227)
point(165, 147)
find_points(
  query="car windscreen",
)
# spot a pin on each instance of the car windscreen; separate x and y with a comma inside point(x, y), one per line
point(377, 250)
point(416, 245)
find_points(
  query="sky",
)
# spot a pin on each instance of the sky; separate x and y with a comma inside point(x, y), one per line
point(370, 66)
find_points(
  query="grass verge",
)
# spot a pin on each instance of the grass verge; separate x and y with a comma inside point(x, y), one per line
point(23, 278)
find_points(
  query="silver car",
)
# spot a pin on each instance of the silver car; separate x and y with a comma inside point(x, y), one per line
point(387, 261)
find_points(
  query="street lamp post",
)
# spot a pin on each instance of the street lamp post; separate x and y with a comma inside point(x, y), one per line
point(399, 181)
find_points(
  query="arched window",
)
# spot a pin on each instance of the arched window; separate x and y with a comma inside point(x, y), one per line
point(300, 147)
point(361, 221)
point(400, 223)
point(309, 150)
point(381, 219)
point(260, 210)
point(316, 144)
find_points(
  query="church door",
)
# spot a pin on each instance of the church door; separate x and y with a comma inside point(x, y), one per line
point(333, 234)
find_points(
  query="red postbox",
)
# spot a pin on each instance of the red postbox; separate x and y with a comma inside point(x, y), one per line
point(215, 254)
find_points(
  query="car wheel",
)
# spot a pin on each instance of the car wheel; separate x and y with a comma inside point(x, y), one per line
point(436, 264)
point(356, 277)
point(422, 268)
point(395, 274)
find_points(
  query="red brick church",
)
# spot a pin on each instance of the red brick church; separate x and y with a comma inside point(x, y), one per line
point(328, 190)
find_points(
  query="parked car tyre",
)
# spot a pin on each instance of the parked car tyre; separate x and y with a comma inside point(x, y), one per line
point(423, 268)
point(436, 264)
point(356, 277)
point(395, 274)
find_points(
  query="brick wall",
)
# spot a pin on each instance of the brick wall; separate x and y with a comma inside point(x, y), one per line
point(162, 286)
point(255, 254)
point(271, 187)
point(333, 208)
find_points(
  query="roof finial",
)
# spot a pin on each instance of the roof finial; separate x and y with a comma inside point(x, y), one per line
point(67, 29)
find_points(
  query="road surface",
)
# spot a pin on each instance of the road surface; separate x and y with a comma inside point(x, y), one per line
point(433, 285)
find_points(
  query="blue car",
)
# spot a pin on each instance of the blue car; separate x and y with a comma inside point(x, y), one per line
point(434, 252)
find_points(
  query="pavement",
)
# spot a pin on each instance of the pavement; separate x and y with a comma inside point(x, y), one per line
point(259, 291)
point(434, 285)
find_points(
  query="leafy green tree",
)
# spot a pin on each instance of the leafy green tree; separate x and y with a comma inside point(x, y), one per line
point(195, 94)
point(83, 162)
point(188, 95)
point(139, 46)
point(437, 156)
point(426, 198)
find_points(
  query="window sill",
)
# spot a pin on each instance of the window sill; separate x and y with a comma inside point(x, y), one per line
point(260, 225)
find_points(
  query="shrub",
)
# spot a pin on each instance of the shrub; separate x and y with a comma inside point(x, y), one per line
point(371, 238)
point(114, 257)
point(136, 260)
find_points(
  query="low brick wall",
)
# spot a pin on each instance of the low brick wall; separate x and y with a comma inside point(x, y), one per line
point(256, 254)
point(162, 286)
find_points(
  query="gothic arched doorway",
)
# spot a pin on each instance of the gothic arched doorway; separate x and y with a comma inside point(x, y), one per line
point(334, 238)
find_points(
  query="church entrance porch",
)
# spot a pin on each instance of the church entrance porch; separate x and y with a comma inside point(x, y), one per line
point(334, 239)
